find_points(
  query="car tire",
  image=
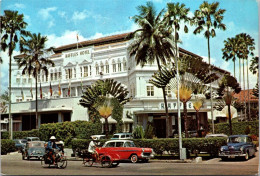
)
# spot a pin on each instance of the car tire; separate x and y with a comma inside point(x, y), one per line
point(134, 158)
point(23, 157)
point(247, 156)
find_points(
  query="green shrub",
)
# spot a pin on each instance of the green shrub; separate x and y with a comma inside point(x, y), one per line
point(7, 146)
point(251, 127)
point(211, 145)
point(20, 134)
point(138, 132)
point(149, 131)
point(66, 131)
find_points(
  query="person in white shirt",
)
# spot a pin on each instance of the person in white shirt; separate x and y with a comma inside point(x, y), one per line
point(92, 145)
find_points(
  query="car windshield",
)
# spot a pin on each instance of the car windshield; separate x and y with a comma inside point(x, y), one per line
point(116, 136)
point(37, 144)
point(237, 139)
point(129, 144)
point(109, 144)
point(119, 144)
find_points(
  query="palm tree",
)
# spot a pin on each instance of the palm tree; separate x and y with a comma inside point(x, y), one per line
point(12, 25)
point(254, 69)
point(194, 74)
point(230, 50)
point(35, 60)
point(208, 18)
point(228, 86)
point(99, 96)
point(105, 109)
point(175, 14)
point(246, 49)
point(152, 42)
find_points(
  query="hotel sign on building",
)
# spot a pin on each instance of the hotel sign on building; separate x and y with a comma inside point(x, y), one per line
point(174, 105)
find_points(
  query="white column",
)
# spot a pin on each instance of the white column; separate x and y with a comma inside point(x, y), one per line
point(59, 117)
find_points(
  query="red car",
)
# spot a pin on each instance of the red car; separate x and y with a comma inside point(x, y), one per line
point(126, 150)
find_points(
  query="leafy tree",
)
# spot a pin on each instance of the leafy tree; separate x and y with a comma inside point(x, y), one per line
point(101, 90)
point(117, 114)
point(152, 42)
point(208, 18)
point(5, 96)
point(228, 86)
point(34, 60)
point(254, 66)
point(12, 25)
point(231, 50)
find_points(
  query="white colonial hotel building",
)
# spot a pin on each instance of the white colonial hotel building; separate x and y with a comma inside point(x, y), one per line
point(87, 62)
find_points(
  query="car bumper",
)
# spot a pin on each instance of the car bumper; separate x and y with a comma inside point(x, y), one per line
point(231, 155)
point(145, 156)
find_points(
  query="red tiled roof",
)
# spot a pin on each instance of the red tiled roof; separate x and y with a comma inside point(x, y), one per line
point(93, 42)
point(244, 93)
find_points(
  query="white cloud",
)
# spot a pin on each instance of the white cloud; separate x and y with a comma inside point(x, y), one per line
point(45, 13)
point(68, 37)
point(19, 6)
point(79, 15)
point(51, 23)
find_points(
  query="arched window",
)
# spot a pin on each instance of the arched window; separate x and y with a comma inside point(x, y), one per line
point(52, 75)
point(75, 73)
point(18, 78)
point(55, 74)
point(102, 67)
point(124, 64)
point(107, 67)
point(119, 65)
point(114, 65)
point(97, 69)
point(59, 73)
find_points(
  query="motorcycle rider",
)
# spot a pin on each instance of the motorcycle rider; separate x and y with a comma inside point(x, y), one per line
point(50, 148)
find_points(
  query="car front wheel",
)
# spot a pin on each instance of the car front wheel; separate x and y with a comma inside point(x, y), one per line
point(247, 156)
point(134, 158)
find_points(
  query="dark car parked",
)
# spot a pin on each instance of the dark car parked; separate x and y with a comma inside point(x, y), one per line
point(20, 144)
point(238, 146)
point(33, 149)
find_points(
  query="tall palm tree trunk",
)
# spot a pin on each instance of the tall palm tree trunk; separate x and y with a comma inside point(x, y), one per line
point(211, 101)
point(229, 119)
point(36, 100)
point(185, 119)
point(10, 93)
point(244, 86)
point(240, 82)
point(248, 93)
point(168, 119)
point(234, 67)
point(106, 127)
point(198, 122)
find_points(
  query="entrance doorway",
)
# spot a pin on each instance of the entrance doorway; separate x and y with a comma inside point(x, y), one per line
point(28, 122)
point(49, 118)
point(160, 127)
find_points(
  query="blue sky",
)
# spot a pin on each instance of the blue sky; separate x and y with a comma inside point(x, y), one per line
point(61, 20)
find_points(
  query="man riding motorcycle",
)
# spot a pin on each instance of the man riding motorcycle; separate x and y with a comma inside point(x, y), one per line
point(50, 148)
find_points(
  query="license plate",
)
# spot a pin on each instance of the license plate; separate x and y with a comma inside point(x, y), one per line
point(231, 156)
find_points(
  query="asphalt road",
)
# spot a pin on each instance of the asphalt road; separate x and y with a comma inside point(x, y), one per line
point(14, 165)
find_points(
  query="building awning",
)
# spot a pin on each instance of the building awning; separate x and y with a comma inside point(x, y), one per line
point(110, 120)
point(59, 109)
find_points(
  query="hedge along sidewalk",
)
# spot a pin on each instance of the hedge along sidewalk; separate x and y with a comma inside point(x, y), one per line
point(170, 145)
point(247, 127)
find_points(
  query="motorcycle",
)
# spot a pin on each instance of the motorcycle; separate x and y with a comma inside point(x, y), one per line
point(60, 160)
